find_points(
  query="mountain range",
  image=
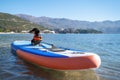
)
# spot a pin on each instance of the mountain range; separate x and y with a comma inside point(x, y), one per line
point(63, 23)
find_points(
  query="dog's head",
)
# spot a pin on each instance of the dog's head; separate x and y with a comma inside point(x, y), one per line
point(35, 30)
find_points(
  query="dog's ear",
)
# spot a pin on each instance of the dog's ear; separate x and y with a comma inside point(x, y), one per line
point(37, 31)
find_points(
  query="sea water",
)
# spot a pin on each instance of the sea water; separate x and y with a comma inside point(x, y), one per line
point(107, 46)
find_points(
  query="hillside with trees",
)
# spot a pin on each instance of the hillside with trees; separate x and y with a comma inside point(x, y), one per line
point(13, 23)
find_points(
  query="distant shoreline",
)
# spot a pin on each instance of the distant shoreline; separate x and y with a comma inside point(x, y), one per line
point(10, 33)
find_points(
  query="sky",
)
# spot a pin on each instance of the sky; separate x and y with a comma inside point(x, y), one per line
point(85, 10)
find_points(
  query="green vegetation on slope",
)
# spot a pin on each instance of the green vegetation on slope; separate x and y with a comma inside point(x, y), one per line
point(13, 23)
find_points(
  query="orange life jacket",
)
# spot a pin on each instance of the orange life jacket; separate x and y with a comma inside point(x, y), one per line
point(37, 38)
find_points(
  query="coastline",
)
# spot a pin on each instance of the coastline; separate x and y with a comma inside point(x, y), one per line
point(8, 33)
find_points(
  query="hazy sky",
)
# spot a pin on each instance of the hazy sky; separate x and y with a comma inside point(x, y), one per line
point(89, 10)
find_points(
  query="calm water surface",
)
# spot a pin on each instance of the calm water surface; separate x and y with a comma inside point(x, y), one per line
point(105, 45)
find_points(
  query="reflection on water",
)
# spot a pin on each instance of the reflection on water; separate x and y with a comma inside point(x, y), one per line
point(50, 74)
